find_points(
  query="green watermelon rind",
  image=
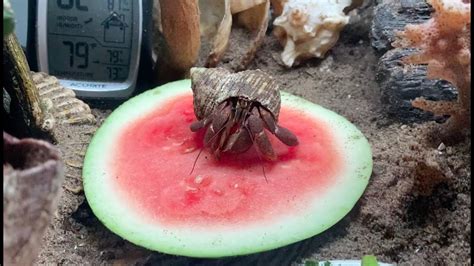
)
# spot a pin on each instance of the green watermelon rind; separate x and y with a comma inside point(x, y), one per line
point(212, 242)
point(8, 20)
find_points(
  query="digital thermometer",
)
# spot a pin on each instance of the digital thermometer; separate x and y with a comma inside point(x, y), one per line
point(98, 48)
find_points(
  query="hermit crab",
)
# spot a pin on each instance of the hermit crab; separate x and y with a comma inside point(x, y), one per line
point(236, 108)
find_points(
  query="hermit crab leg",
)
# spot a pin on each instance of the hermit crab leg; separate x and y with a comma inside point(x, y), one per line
point(256, 126)
point(197, 125)
point(220, 119)
point(209, 137)
point(252, 138)
point(240, 110)
point(283, 134)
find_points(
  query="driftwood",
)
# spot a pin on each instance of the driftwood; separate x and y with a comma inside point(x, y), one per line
point(400, 84)
point(393, 16)
point(444, 44)
point(36, 102)
point(21, 88)
point(32, 176)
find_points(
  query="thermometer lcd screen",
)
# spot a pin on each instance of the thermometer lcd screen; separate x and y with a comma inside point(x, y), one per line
point(91, 40)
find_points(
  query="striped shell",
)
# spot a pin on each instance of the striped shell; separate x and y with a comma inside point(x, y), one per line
point(60, 103)
point(212, 86)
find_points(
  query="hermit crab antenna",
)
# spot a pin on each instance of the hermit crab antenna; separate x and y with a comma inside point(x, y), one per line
point(258, 153)
point(205, 145)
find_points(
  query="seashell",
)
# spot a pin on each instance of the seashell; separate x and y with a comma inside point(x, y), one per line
point(212, 86)
point(32, 178)
point(278, 6)
point(309, 28)
point(215, 26)
point(59, 103)
point(179, 23)
point(216, 21)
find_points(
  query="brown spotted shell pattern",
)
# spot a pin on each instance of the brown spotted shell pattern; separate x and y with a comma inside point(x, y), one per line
point(212, 86)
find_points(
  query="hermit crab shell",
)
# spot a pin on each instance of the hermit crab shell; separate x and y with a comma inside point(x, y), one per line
point(212, 86)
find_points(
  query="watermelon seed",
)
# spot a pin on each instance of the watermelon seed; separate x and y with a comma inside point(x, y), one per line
point(218, 192)
point(198, 179)
point(188, 150)
point(192, 189)
point(178, 143)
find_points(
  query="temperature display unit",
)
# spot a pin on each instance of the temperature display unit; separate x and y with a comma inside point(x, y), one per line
point(91, 46)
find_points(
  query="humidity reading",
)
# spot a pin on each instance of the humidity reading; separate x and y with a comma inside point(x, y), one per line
point(90, 40)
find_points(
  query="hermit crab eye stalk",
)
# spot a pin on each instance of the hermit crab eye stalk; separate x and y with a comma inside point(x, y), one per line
point(236, 109)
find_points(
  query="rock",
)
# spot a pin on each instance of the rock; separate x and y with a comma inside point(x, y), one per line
point(84, 215)
point(441, 147)
point(400, 83)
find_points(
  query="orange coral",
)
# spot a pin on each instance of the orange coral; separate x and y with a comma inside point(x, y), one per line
point(444, 43)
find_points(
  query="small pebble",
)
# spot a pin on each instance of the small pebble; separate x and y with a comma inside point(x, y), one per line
point(441, 147)
point(449, 150)
point(107, 255)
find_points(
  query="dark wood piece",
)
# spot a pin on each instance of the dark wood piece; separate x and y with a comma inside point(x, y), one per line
point(399, 83)
point(25, 109)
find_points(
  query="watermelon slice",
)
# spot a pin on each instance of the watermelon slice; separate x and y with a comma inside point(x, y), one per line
point(138, 181)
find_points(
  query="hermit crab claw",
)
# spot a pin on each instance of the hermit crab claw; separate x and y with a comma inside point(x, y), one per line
point(283, 134)
point(256, 128)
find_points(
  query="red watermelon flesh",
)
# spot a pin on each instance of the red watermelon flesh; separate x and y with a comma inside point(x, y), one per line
point(157, 179)
point(137, 178)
